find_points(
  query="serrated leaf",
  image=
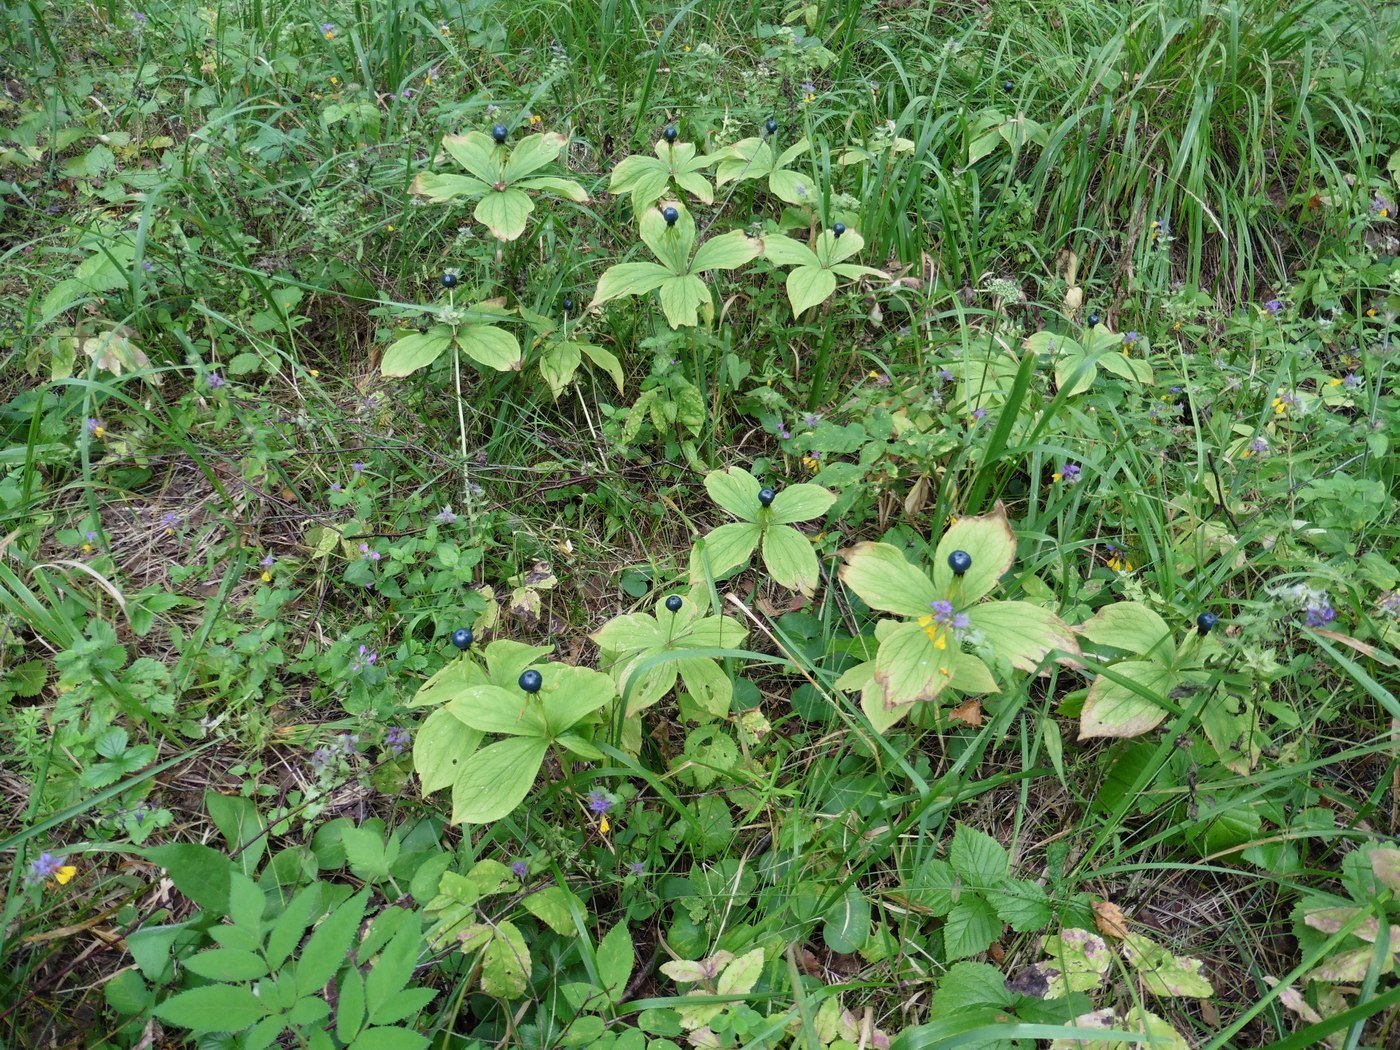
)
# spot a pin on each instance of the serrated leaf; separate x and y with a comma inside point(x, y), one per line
point(215, 1008)
point(971, 927)
point(227, 964)
point(980, 859)
point(329, 944)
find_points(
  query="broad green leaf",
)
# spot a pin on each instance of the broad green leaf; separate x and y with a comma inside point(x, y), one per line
point(787, 251)
point(1021, 904)
point(1113, 710)
point(970, 675)
point(809, 286)
point(1080, 960)
point(491, 346)
point(570, 694)
point(742, 974)
point(390, 1038)
point(723, 551)
point(706, 681)
point(980, 859)
point(795, 187)
point(971, 927)
point(884, 579)
point(329, 944)
point(629, 632)
point(477, 153)
point(1074, 374)
point(215, 1008)
point(350, 1009)
point(552, 906)
point(505, 961)
point(202, 874)
point(491, 709)
point(566, 188)
point(726, 252)
point(1022, 633)
point(1385, 861)
point(645, 178)
point(1131, 626)
point(497, 779)
point(441, 748)
point(910, 667)
point(605, 360)
point(832, 249)
point(790, 559)
point(616, 957)
point(532, 153)
point(558, 365)
point(624, 279)
point(736, 490)
point(227, 964)
point(988, 539)
point(287, 929)
point(504, 212)
point(681, 299)
point(443, 188)
point(846, 927)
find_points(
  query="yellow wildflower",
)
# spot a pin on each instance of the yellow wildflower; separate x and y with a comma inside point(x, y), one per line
point(604, 825)
point(64, 875)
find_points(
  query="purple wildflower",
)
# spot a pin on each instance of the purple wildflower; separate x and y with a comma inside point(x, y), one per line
point(520, 869)
point(335, 486)
point(445, 516)
point(1129, 338)
point(979, 414)
point(1069, 473)
point(1274, 307)
point(349, 742)
point(944, 616)
point(321, 759)
point(1259, 446)
point(945, 375)
point(396, 740)
point(367, 658)
point(1351, 381)
point(637, 868)
point(366, 553)
point(215, 381)
point(811, 419)
point(358, 467)
point(598, 803)
point(95, 427)
point(44, 866)
point(1320, 613)
point(783, 432)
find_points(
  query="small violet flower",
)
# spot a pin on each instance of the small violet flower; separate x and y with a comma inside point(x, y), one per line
point(520, 869)
point(367, 658)
point(445, 516)
point(396, 740)
point(1274, 307)
point(44, 866)
point(1069, 473)
point(1320, 613)
point(598, 803)
point(215, 381)
point(367, 554)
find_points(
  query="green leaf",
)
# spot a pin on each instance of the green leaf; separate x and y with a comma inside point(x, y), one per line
point(490, 346)
point(910, 667)
point(809, 286)
point(329, 944)
point(1022, 905)
point(390, 1038)
point(671, 244)
point(216, 1008)
point(367, 852)
point(570, 694)
point(978, 858)
point(532, 153)
point(742, 974)
point(1163, 973)
point(992, 546)
point(442, 188)
point(491, 709)
point(626, 279)
point(883, 578)
point(801, 503)
point(227, 964)
point(728, 251)
point(681, 299)
point(504, 212)
point(846, 927)
point(566, 188)
point(1128, 625)
point(967, 985)
point(616, 958)
point(350, 1009)
point(475, 152)
point(497, 780)
point(415, 351)
point(200, 873)
point(605, 360)
point(790, 559)
point(505, 961)
point(736, 490)
point(551, 906)
point(1021, 633)
point(441, 747)
point(723, 551)
point(786, 251)
point(288, 927)
point(558, 365)
point(392, 971)
point(1113, 710)
point(971, 927)
point(242, 827)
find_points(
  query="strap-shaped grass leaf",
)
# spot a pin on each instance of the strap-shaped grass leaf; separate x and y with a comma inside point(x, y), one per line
point(812, 278)
point(499, 180)
point(648, 179)
point(675, 277)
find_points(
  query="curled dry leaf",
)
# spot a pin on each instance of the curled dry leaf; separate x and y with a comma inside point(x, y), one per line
point(1110, 920)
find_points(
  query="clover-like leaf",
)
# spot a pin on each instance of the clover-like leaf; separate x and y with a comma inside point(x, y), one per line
point(648, 179)
point(812, 278)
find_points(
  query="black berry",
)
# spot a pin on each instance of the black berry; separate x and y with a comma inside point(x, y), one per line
point(959, 562)
point(670, 215)
point(673, 603)
point(1008, 86)
point(449, 280)
point(568, 304)
point(766, 497)
point(462, 637)
point(771, 126)
point(838, 228)
point(670, 134)
point(1206, 621)
point(500, 133)
point(531, 681)
point(1093, 320)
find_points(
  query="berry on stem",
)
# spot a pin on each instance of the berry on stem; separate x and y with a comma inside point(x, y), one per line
point(670, 215)
point(766, 496)
point(771, 126)
point(531, 681)
point(673, 603)
point(959, 562)
point(462, 637)
point(500, 133)
point(449, 280)
point(568, 304)
point(1093, 319)
point(669, 133)
point(1206, 621)
point(838, 228)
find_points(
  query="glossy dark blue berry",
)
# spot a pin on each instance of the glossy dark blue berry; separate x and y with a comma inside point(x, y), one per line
point(673, 603)
point(670, 134)
point(568, 304)
point(462, 637)
point(670, 215)
point(1206, 621)
point(1008, 86)
point(766, 497)
point(771, 126)
point(500, 133)
point(531, 681)
point(838, 228)
point(959, 562)
point(449, 280)
point(1093, 320)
